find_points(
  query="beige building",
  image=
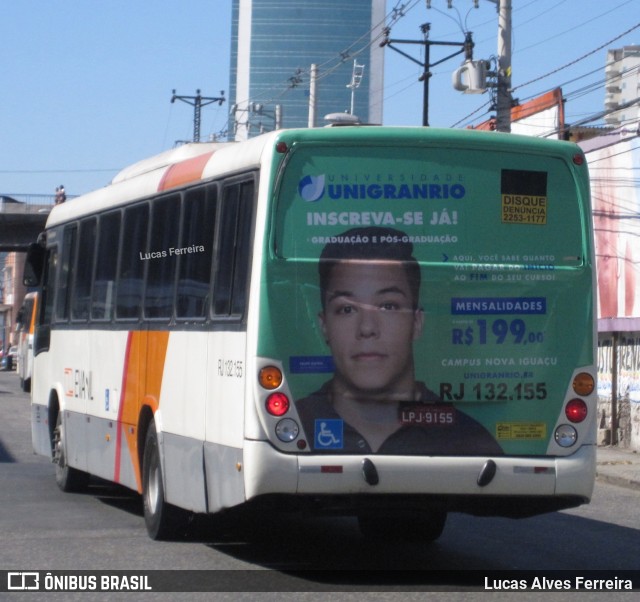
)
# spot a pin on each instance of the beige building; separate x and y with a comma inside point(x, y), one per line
point(622, 75)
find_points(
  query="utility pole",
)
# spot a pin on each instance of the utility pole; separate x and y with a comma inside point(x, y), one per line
point(503, 100)
point(614, 388)
point(466, 47)
point(256, 108)
point(503, 90)
point(313, 95)
point(197, 102)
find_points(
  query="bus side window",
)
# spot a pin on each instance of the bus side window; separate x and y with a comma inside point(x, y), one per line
point(132, 261)
point(82, 282)
point(243, 250)
point(194, 275)
point(63, 299)
point(232, 263)
point(45, 308)
point(163, 245)
point(104, 283)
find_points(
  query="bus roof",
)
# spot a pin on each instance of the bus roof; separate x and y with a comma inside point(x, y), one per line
point(170, 169)
point(194, 162)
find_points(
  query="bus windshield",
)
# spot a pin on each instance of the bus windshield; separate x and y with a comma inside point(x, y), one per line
point(438, 283)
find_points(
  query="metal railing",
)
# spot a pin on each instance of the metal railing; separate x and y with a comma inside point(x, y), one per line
point(27, 203)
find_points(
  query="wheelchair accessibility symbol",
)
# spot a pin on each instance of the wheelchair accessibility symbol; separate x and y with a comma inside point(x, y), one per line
point(328, 434)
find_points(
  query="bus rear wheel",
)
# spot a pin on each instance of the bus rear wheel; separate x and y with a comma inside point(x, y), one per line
point(163, 521)
point(422, 526)
point(68, 479)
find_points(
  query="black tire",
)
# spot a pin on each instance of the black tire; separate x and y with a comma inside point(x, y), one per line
point(422, 526)
point(163, 520)
point(68, 479)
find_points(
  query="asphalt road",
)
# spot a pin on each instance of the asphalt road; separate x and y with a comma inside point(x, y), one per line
point(44, 529)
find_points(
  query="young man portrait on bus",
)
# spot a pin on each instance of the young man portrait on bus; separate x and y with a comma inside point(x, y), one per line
point(370, 318)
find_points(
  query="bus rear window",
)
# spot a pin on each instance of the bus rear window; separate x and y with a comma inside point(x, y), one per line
point(454, 205)
point(453, 283)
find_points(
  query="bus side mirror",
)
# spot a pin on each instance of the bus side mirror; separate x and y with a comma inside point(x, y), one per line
point(34, 265)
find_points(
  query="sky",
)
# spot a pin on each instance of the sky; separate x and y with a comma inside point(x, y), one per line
point(86, 85)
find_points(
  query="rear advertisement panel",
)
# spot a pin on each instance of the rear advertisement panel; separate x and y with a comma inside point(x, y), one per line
point(427, 300)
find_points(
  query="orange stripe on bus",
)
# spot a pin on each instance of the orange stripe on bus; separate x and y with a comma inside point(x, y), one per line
point(34, 313)
point(184, 172)
point(141, 383)
point(125, 371)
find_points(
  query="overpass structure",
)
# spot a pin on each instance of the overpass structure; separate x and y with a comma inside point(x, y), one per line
point(22, 221)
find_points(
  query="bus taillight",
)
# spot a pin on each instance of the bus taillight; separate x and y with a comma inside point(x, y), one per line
point(277, 404)
point(584, 384)
point(576, 410)
point(270, 377)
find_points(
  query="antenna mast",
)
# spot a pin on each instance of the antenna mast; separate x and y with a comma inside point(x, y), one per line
point(356, 79)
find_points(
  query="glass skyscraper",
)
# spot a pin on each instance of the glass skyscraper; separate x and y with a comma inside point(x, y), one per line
point(274, 44)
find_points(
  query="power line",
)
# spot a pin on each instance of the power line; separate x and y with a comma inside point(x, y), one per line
point(592, 87)
point(584, 56)
point(575, 94)
point(574, 26)
point(465, 47)
point(329, 66)
point(197, 102)
point(466, 118)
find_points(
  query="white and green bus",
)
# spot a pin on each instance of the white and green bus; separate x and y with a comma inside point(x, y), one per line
point(25, 328)
point(389, 323)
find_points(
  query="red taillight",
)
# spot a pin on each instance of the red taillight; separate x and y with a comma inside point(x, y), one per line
point(277, 404)
point(576, 410)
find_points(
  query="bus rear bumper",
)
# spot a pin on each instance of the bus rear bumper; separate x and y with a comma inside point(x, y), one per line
point(520, 486)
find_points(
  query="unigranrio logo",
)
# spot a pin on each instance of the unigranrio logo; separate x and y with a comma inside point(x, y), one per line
point(313, 188)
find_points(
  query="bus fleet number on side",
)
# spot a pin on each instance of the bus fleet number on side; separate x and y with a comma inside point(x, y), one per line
point(229, 368)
